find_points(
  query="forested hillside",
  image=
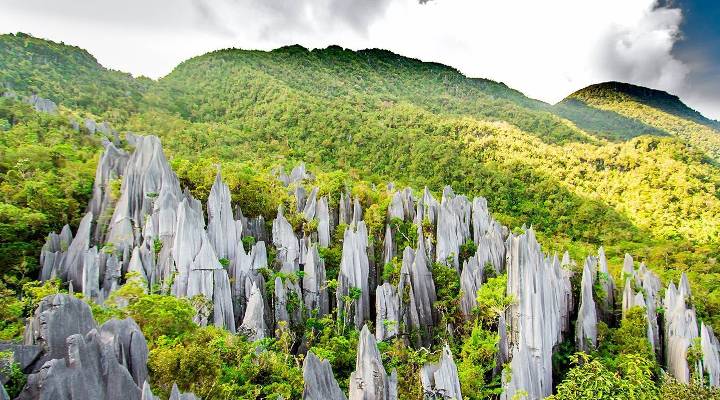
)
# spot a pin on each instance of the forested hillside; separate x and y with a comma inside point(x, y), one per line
point(616, 166)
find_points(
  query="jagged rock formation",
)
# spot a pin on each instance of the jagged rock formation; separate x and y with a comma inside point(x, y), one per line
point(175, 394)
point(535, 323)
point(586, 325)
point(387, 311)
point(647, 297)
point(416, 279)
point(152, 228)
point(369, 381)
point(711, 354)
point(320, 384)
point(607, 303)
point(470, 280)
point(223, 231)
point(253, 323)
point(440, 380)
point(53, 253)
point(285, 241)
point(681, 329)
point(46, 106)
point(198, 268)
point(315, 295)
point(322, 214)
point(80, 361)
point(131, 349)
point(56, 318)
point(453, 227)
point(354, 271)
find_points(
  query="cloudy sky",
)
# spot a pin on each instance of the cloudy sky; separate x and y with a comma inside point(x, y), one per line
point(546, 49)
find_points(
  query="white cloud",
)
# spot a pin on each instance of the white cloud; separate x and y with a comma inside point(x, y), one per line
point(545, 49)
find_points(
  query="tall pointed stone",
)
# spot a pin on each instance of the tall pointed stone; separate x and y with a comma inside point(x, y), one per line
point(320, 383)
point(586, 325)
point(369, 381)
point(440, 380)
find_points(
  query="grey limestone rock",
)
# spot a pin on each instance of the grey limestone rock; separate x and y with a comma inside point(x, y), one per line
point(110, 168)
point(607, 303)
point(254, 321)
point(440, 380)
point(223, 231)
point(42, 105)
point(354, 271)
point(369, 381)
point(387, 311)
point(89, 369)
point(681, 329)
point(72, 271)
point(322, 214)
point(285, 241)
point(471, 279)
point(315, 295)
point(417, 280)
point(56, 318)
point(586, 325)
point(320, 383)
point(175, 394)
point(711, 356)
point(534, 319)
point(131, 350)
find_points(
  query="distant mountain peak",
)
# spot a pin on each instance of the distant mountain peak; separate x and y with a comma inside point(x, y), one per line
point(655, 98)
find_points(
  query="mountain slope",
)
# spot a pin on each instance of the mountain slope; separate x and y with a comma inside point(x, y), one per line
point(620, 110)
point(365, 80)
point(66, 75)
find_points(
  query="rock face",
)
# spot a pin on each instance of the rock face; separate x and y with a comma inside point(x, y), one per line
point(607, 303)
point(175, 394)
point(254, 321)
point(387, 311)
point(471, 279)
point(369, 381)
point(198, 268)
point(416, 280)
point(711, 354)
point(648, 298)
point(285, 241)
point(453, 227)
point(223, 231)
point(586, 325)
point(354, 271)
point(320, 383)
point(80, 361)
point(315, 295)
point(681, 329)
point(125, 337)
point(535, 323)
point(42, 105)
point(56, 318)
point(440, 380)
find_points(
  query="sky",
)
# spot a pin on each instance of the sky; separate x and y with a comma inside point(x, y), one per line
point(546, 49)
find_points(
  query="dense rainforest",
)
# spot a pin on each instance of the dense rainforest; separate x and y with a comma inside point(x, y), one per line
point(629, 169)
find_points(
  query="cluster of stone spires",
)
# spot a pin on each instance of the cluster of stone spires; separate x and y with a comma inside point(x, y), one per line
point(69, 357)
point(154, 228)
